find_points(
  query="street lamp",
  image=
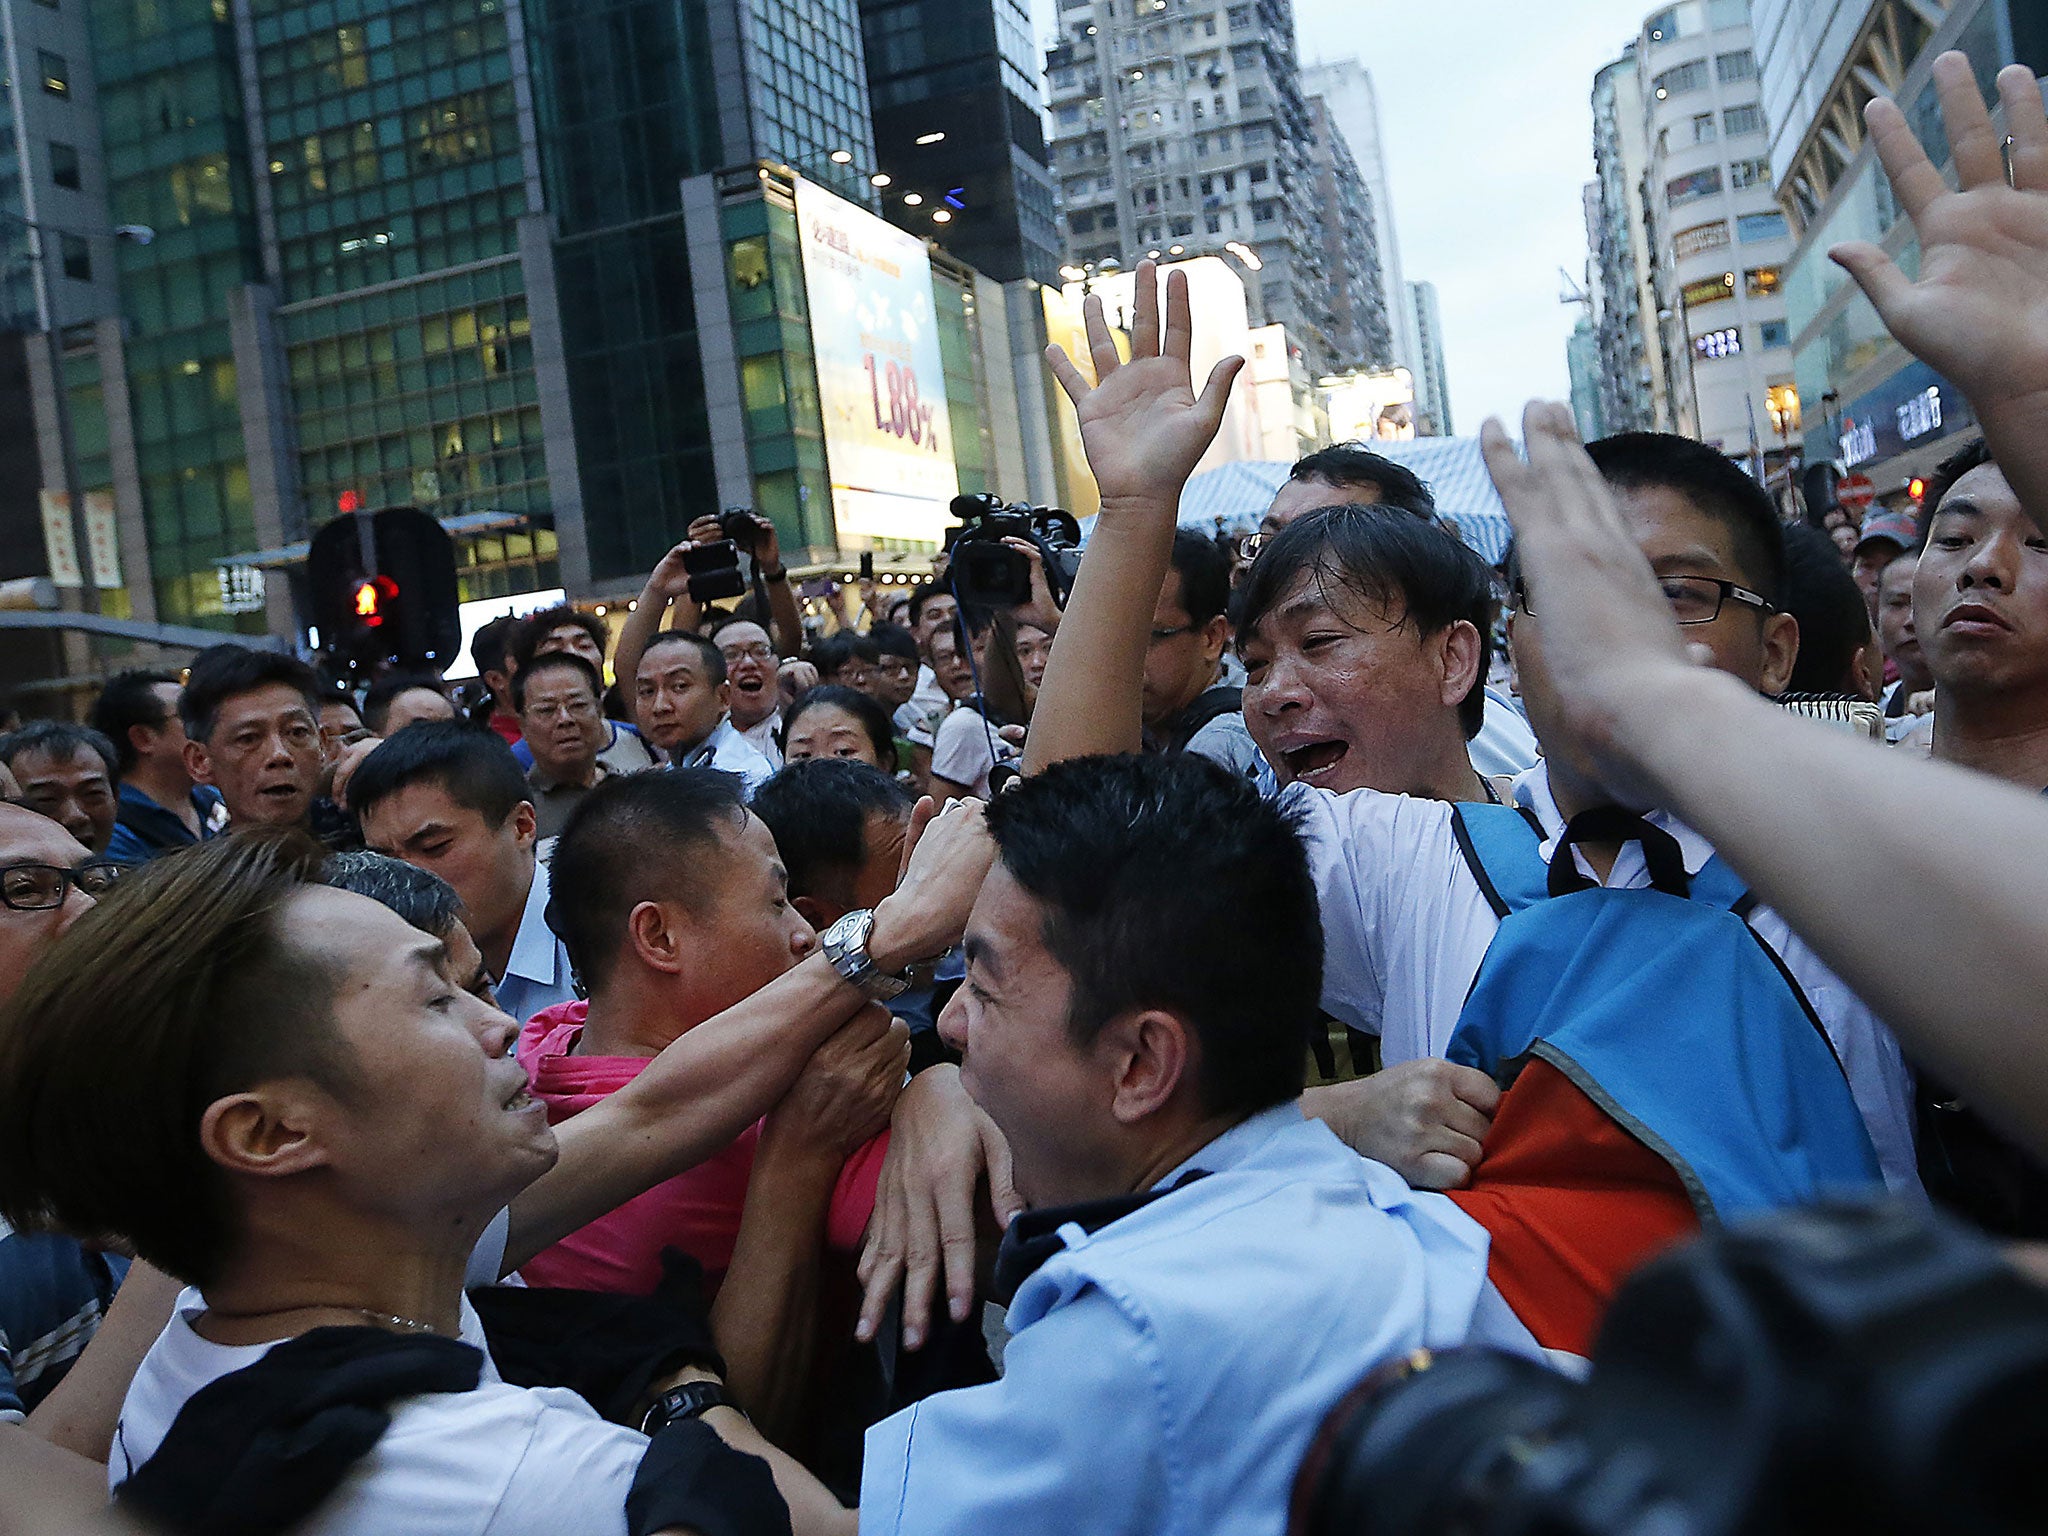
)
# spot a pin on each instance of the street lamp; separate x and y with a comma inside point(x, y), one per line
point(53, 330)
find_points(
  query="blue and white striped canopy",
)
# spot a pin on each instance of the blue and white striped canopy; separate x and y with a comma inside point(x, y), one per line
point(1450, 466)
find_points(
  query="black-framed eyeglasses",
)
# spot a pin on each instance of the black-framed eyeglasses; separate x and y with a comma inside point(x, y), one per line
point(1693, 599)
point(42, 887)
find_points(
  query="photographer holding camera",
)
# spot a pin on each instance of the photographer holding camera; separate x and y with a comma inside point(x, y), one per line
point(705, 568)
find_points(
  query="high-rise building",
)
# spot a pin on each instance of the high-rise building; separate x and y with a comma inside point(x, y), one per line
point(1352, 103)
point(1868, 405)
point(1432, 387)
point(1633, 379)
point(426, 252)
point(1718, 243)
point(953, 86)
point(1582, 361)
point(1357, 323)
point(1183, 133)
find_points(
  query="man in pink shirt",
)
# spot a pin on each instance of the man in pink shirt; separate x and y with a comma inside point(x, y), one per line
point(672, 903)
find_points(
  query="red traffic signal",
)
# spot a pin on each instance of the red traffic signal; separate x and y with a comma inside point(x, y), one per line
point(1917, 489)
point(373, 599)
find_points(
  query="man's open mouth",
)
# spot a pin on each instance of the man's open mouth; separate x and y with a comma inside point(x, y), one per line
point(1316, 759)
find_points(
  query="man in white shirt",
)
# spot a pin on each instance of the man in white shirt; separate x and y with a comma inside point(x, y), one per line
point(753, 699)
point(681, 696)
point(1406, 920)
point(452, 800)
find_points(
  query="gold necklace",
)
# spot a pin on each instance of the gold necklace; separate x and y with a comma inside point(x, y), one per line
point(380, 1319)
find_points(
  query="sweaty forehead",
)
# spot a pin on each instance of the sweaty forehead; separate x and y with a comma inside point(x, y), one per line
point(1670, 528)
point(357, 939)
point(738, 636)
point(1299, 497)
point(1984, 490)
point(73, 763)
point(270, 702)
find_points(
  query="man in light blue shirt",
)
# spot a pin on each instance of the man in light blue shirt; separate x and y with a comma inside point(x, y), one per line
point(1202, 1274)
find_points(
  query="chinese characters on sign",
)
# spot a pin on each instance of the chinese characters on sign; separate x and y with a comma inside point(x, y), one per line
point(1920, 415)
point(881, 382)
point(241, 588)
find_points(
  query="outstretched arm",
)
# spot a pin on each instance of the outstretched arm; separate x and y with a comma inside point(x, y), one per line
point(667, 584)
point(1805, 813)
point(1144, 430)
point(1979, 311)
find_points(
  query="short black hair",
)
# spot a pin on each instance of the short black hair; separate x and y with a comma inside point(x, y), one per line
point(925, 592)
point(418, 895)
point(627, 841)
point(60, 739)
point(491, 646)
point(128, 700)
point(470, 763)
point(1170, 882)
point(1834, 622)
point(863, 707)
point(1204, 575)
point(536, 627)
point(818, 811)
point(223, 672)
point(832, 652)
point(1972, 455)
point(1411, 568)
point(554, 661)
point(1347, 464)
point(893, 640)
point(1716, 486)
point(378, 699)
point(714, 658)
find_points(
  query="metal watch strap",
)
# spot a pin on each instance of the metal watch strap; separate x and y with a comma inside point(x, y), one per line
point(846, 946)
point(687, 1401)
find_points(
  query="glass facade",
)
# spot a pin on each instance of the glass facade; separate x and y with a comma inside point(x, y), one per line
point(176, 149)
point(807, 90)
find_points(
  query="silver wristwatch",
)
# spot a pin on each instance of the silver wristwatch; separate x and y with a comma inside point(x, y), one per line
point(846, 945)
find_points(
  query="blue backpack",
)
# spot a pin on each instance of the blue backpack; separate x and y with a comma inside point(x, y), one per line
point(1665, 1008)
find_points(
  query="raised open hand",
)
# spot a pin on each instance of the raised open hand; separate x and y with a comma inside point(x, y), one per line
point(1142, 425)
point(1979, 310)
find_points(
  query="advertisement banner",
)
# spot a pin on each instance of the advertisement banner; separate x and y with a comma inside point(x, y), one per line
point(60, 542)
point(881, 384)
point(102, 539)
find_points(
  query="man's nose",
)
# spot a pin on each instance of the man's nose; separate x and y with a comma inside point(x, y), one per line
point(953, 1021)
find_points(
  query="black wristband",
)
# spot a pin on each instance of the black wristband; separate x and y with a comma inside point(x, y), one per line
point(780, 573)
point(690, 1477)
point(688, 1401)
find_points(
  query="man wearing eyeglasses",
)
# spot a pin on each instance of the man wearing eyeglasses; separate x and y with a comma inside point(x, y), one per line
point(52, 1291)
point(557, 696)
point(1193, 697)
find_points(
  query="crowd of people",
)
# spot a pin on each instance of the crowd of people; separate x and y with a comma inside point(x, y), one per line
point(1019, 1067)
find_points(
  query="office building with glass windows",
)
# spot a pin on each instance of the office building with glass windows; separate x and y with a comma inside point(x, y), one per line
point(406, 252)
point(960, 151)
point(1871, 407)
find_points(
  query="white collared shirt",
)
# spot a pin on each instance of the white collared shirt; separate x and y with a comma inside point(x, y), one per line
point(729, 752)
point(537, 974)
point(1406, 926)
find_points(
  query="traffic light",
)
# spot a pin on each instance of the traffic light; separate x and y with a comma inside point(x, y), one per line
point(1917, 489)
point(383, 590)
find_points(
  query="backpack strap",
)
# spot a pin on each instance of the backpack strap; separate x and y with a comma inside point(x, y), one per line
point(1221, 700)
point(1501, 846)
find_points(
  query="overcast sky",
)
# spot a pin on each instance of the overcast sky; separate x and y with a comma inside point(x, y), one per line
point(1488, 128)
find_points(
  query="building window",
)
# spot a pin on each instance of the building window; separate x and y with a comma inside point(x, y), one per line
point(1733, 67)
point(1251, 96)
point(1775, 333)
point(55, 72)
point(1681, 190)
point(1213, 223)
point(1743, 174)
point(1663, 27)
point(1761, 282)
point(1700, 239)
point(1752, 227)
point(1686, 77)
point(64, 165)
point(1708, 290)
point(76, 258)
point(1726, 342)
point(1741, 120)
point(1703, 128)
point(1722, 14)
point(1240, 18)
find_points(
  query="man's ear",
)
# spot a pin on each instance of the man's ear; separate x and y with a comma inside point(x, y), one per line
point(198, 762)
point(525, 823)
point(269, 1131)
point(819, 914)
point(655, 931)
point(1457, 654)
point(1149, 1053)
point(1215, 639)
point(724, 694)
point(1781, 653)
point(141, 738)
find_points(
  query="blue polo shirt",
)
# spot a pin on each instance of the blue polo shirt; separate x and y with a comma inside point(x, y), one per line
point(144, 830)
point(1166, 1372)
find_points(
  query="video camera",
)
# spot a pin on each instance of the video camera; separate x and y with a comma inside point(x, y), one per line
point(714, 569)
point(987, 573)
point(1869, 1368)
